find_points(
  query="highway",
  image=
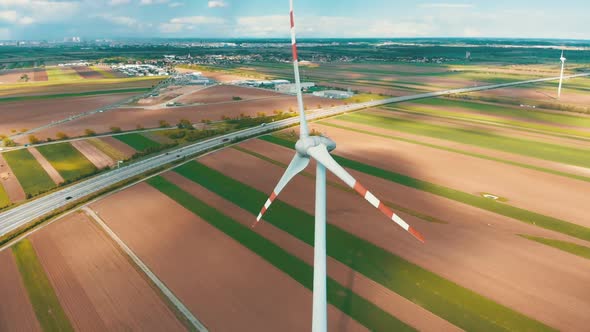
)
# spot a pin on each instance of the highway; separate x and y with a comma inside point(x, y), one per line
point(27, 212)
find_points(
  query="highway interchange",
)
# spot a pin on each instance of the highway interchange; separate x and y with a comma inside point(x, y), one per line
point(21, 215)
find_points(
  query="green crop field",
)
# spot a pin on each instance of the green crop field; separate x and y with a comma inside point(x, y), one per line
point(491, 109)
point(108, 149)
point(476, 155)
point(45, 303)
point(446, 299)
point(341, 297)
point(4, 199)
point(62, 74)
point(72, 95)
point(523, 215)
point(28, 171)
point(541, 150)
point(137, 141)
point(572, 248)
point(104, 73)
point(67, 160)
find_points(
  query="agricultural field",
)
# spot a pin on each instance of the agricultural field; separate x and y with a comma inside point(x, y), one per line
point(23, 115)
point(67, 160)
point(32, 177)
point(62, 74)
point(137, 141)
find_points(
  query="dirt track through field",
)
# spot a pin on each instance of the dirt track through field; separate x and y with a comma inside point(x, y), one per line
point(122, 147)
point(476, 249)
point(532, 190)
point(213, 275)
point(96, 157)
point(466, 148)
point(16, 311)
point(10, 183)
point(387, 300)
point(51, 171)
point(97, 286)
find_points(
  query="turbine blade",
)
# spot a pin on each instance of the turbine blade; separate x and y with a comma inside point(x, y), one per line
point(304, 129)
point(320, 154)
point(298, 164)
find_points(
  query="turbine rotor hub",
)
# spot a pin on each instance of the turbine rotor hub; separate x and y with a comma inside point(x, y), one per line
point(303, 144)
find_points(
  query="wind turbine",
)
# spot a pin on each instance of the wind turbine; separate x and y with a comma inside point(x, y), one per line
point(562, 59)
point(318, 148)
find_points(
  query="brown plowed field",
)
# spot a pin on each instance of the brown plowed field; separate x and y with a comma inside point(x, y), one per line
point(10, 183)
point(532, 190)
point(34, 113)
point(122, 147)
point(97, 157)
point(40, 75)
point(129, 118)
point(96, 285)
point(13, 76)
point(16, 311)
point(51, 171)
point(467, 148)
point(228, 287)
point(225, 93)
point(215, 75)
point(387, 300)
point(87, 72)
point(476, 249)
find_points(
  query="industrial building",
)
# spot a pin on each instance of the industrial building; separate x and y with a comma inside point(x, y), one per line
point(292, 88)
point(334, 94)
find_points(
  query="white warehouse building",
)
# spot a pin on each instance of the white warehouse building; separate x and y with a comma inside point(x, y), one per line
point(333, 94)
point(292, 88)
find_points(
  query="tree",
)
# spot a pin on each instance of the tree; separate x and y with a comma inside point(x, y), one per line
point(61, 135)
point(115, 129)
point(260, 114)
point(236, 98)
point(185, 124)
point(8, 142)
point(163, 124)
point(25, 77)
point(89, 132)
point(33, 139)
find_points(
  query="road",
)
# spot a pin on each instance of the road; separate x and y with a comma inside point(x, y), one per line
point(25, 213)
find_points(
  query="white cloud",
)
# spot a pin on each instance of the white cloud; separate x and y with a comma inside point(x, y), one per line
point(5, 34)
point(118, 2)
point(217, 4)
point(31, 11)
point(175, 4)
point(181, 24)
point(447, 5)
point(197, 20)
point(11, 16)
point(151, 2)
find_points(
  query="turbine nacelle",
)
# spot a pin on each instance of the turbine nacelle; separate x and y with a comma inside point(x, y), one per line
point(305, 143)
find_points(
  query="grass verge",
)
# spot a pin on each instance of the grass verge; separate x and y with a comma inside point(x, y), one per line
point(29, 172)
point(572, 248)
point(47, 308)
point(523, 215)
point(456, 304)
point(535, 149)
point(67, 160)
point(137, 141)
point(343, 298)
point(4, 199)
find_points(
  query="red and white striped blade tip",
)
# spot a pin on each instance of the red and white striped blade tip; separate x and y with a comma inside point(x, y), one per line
point(416, 234)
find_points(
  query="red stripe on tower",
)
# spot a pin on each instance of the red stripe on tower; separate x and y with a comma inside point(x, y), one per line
point(295, 52)
point(273, 196)
point(386, 210)
point(292, 20)
point(360, 189)
point(263, 210)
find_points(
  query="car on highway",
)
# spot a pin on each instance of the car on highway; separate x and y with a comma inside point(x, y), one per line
point(68, 198)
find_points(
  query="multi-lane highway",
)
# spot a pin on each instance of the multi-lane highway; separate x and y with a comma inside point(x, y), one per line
point(25, 213)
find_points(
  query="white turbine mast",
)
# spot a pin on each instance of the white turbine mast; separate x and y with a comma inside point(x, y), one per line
point(318, 148)
point(562, 59)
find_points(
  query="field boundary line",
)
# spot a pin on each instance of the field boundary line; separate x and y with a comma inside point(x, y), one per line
point(152, 276)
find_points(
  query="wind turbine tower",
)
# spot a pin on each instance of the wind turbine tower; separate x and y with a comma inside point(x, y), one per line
point(319, 148)
point(562, 59)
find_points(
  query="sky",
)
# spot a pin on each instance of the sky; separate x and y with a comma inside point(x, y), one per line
point(97, 19)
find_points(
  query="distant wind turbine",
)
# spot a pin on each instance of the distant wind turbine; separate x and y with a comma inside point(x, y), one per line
point(562, 59)
point(318, 148)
